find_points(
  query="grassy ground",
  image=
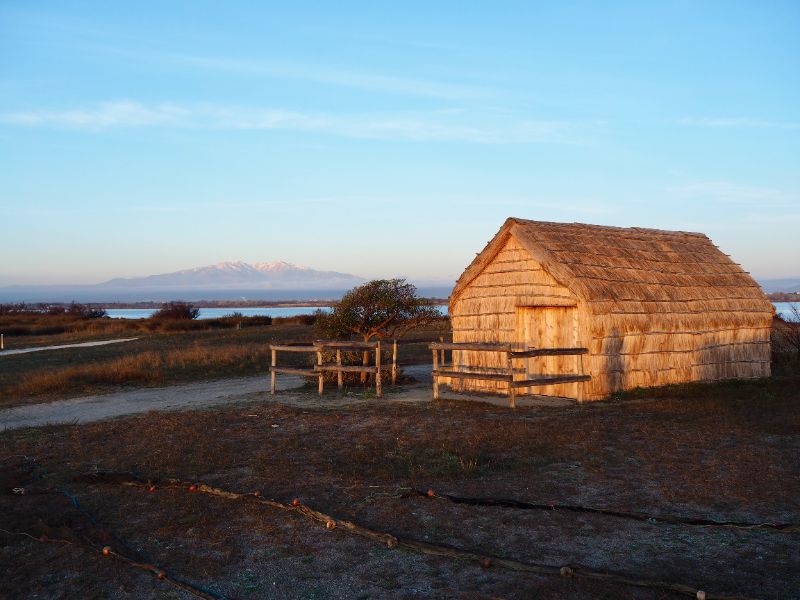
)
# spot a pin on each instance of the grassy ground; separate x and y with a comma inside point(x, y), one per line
point(158, 358)
point(727, 451)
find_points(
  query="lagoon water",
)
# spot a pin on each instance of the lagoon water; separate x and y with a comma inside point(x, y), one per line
point(216, 313)
point(783, 309)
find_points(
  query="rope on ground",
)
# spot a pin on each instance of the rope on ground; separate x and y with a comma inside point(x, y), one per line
point(35, 471)
point(107, 551)
point(637, 516)
point(392, 541)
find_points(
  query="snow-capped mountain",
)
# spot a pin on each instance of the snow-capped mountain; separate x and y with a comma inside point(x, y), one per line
point(266, 275)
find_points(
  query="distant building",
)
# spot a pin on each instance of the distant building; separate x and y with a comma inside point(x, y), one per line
point(653, 307)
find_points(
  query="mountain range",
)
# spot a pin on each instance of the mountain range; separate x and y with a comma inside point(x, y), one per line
point(269, 275)
point(278, 280)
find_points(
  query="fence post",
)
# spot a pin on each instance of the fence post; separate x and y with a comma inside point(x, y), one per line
point(378, 370)
point(394, 362)
point(435, 376)
point(512, 391)
point(339, 374)
point(321, 374)
point(272, 370)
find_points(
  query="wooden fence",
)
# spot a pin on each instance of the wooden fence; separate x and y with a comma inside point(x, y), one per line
point(460, 372)
point(320, 368)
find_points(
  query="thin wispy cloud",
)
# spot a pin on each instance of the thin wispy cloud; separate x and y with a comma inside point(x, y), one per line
point(727, 193)
point(103, 116)
point(738, 122)
point(351, 78)
point(429, 126)
point(110, 43)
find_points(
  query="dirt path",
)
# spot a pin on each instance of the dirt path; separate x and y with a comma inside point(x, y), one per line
point(192, 396)
point(175, 397)
point(59, 347)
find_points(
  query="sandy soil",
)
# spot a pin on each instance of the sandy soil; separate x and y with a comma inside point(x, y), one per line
point(62, 346)
point(86, 409)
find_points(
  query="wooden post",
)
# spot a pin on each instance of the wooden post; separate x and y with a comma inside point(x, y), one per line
point(512, 391)
point(441, 339)
point(394, 362)
point(581, 384)
point(321, 374)
point(364, 363)
point(272, 370)
point(378, 370)
point(339, 374)
point(435, 376)
point(460, 383)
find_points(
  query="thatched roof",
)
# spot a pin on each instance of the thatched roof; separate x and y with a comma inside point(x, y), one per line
point(630, 270)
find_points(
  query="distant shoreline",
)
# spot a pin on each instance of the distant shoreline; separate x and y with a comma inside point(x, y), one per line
point(237, 304)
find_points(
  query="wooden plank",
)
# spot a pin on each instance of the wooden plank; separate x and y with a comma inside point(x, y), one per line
point(352, 344)
point(291, 371)
point(286, 348)
point(478, 376)
point(478, 370)
point(345, 368)
point(467, 346)
point(549, 352)
point(550, 380)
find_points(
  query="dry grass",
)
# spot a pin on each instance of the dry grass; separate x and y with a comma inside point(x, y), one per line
point(163, 358)
point(143, 367)
point(726, 451)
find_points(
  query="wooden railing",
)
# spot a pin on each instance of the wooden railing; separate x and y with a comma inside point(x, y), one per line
point(504, 373)
point(319, 369)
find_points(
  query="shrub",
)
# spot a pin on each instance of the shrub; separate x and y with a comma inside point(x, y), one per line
point(177, 311)
point(85, 311)
point(788, 328)
point(380, 308)
point(296, 320)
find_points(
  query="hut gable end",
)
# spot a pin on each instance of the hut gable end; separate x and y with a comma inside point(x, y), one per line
point(510, 278)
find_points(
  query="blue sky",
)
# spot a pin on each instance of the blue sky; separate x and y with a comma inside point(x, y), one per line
point(388, 139)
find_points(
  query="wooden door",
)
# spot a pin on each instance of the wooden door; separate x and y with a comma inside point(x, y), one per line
point(549, 327)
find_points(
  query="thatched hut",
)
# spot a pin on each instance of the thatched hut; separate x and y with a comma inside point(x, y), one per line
point(652, 307)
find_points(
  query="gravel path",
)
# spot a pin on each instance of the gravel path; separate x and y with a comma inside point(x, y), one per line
point(175, 397)
point(190, 396)
point(80, 345)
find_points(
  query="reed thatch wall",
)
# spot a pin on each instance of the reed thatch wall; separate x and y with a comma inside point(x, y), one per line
point(653, 307)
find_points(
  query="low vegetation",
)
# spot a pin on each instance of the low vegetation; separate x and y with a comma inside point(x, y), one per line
point(187, 350)
point(26, 329)
point(176, 310)
point(721, 451)
point(786, 332)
